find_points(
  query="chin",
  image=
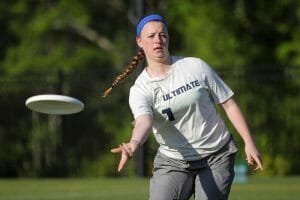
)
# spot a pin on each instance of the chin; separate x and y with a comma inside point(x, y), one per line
point(160, 55)
point(160, 58)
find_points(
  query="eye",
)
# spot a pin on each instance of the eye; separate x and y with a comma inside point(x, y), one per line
point(163, 35)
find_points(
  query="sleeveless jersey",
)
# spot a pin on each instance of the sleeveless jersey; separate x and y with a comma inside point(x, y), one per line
point(186, 123)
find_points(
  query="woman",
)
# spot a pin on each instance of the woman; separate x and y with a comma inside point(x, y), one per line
point(176, 97)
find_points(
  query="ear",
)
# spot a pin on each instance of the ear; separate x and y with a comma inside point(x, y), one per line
point(139, 42)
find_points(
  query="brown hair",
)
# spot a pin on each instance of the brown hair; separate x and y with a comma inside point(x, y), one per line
point(132, 66)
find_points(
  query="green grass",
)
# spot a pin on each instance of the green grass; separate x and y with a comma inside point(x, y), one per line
point(267, 188)
point(259, 188)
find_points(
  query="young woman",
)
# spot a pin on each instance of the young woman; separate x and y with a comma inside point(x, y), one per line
point(174, 97)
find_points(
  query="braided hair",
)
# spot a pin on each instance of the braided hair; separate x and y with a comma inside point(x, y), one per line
point(132, 66)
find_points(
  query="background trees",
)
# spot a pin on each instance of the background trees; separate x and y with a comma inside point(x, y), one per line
point(77, 48)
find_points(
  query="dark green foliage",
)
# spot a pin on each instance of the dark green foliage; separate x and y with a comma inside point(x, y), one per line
point(77, 47)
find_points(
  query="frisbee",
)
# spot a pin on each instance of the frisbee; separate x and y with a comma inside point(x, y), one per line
point(54, 104)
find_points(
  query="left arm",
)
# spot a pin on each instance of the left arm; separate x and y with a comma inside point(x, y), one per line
point(237, 119)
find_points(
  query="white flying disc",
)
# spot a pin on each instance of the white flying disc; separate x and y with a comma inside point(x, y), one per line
point(54, 104)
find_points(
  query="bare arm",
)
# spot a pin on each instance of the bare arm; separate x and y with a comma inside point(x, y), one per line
point(238, 120)
point(140, 133)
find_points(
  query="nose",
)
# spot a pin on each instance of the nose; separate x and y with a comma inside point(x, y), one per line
point(157, 39)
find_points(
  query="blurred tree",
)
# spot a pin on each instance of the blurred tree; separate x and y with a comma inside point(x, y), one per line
point(68, 47)
point(77, 47)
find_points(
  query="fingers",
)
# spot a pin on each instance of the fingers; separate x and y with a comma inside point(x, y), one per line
point(249, 160)
point(255, 161)
point(258, 162)
point(126, 154)
point(116, 150)
point(127, 150)
point(253, 157)
point(125, 147)
point(124, 158)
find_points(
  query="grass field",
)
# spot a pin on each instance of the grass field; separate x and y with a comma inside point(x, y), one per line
point(259, 188)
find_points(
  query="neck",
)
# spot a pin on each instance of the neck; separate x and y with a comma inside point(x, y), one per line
point(159, 68)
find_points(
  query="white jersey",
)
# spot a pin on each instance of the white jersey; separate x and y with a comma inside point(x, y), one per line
point(185, 121)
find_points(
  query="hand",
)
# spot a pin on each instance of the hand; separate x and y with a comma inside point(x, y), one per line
point(253, 157)
point(127, 151)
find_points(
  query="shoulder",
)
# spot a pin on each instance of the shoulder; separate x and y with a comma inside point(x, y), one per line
point(141, 81)
point(194, 61)
point(140, 86)
point(192, 64)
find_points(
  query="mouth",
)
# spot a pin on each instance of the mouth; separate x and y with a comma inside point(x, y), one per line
point(158, 49)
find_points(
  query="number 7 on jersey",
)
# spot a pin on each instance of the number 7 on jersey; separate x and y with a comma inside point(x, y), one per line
point(168, 111)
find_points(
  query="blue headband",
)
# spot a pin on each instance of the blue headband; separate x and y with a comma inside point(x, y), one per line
point(145, 20)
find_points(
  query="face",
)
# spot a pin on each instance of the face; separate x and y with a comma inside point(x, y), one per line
point(154, 40)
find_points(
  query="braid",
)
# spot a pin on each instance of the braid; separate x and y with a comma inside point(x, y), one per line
point(134, 63)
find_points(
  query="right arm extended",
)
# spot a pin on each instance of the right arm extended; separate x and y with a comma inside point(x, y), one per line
point(140, 134)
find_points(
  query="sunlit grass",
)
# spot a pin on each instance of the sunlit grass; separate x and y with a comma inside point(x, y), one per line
point(258, 188)
point(261, 188)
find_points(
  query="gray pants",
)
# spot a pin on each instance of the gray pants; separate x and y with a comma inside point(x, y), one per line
point(209, 178)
